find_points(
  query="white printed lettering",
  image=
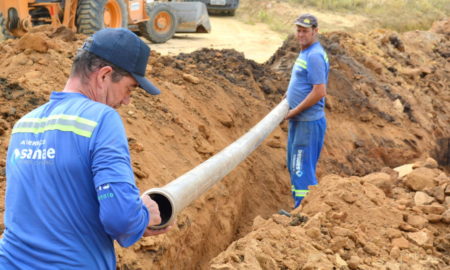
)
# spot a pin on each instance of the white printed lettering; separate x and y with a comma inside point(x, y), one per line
point(37, 154)
point(51, 153)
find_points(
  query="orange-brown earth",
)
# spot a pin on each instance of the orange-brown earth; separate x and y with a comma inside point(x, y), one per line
point(388, 104)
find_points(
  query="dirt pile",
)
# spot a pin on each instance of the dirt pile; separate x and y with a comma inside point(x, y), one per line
point(237, 70)
point(379, 221)
point(198, 114)
point(388, 104)
point(388, 98)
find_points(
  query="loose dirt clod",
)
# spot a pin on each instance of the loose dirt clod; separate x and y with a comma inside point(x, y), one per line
point(367, 232)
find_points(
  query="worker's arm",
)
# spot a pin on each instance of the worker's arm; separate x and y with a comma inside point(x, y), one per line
point(317, 76)
point(317, 93)
point(125, 217)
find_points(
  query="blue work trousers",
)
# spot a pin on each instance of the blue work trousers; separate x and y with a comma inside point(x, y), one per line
point(305, 141)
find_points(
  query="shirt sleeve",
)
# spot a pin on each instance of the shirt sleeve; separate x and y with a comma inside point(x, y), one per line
point(110, 155)
point(317, 69)
point(122, 213)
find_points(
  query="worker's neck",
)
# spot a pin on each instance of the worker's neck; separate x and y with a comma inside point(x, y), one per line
point(306, 46)
point(75, 85)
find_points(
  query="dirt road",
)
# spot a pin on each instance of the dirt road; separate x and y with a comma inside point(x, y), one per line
point(257, 41)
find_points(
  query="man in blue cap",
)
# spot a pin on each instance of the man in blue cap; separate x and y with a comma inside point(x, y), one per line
point(306, 97)
point(70, 184)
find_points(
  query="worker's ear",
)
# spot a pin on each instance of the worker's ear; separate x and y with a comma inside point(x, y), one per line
point(104, 72)
point(103, 75)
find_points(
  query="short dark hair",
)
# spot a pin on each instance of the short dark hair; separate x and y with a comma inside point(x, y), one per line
point(86, 63)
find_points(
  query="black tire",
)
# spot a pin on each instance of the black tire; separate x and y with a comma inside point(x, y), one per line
point(90, 15)
point(150, 29)
point(4, 34)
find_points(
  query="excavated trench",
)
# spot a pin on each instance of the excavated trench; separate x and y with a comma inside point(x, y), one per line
point(374, 122)
point(383, 108)
point(442, 152)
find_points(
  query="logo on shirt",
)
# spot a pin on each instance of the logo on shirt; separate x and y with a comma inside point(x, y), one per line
point(103, 187)
point(104, 192)
point(33, 151)
point(34, 154)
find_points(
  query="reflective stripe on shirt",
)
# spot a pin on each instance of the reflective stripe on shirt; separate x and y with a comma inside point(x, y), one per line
point(302, 63)
point(78, 125)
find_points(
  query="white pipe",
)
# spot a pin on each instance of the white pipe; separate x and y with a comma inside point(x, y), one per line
point(175, 196)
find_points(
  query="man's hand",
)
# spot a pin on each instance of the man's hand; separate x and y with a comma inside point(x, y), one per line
point(290, 114)
point(317, 93)
point(150, 232)
point(155, 217)
point(152, 206)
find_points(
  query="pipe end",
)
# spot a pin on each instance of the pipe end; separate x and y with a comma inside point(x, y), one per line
point(165, 204)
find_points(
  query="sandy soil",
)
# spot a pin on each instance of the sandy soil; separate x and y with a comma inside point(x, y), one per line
point(257, 41)
point(388, 104)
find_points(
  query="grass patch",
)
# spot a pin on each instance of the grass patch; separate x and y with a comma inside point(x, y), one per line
point(251, 13)
point(398, 15)
point(334, 5)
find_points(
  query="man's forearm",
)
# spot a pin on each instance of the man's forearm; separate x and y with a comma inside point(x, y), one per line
point(316, 94)
point(122, 213)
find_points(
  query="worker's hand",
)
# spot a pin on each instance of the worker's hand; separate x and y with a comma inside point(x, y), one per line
point(290, 114)
point(149, 231)
point(155, 217)
point(152, 206)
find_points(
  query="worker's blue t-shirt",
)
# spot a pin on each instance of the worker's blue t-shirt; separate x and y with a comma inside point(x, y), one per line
point(68, 169)
point(310, 68)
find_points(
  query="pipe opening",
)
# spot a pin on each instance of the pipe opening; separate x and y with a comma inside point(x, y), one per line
point(165, 207)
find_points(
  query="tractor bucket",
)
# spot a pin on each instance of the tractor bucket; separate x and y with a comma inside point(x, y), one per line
point(192, 17)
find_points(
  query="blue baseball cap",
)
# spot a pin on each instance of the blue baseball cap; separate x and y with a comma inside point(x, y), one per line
point(126, 50)
point(307, 20)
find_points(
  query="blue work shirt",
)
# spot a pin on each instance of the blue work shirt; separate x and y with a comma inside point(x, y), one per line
point(70, 188)
point(310, 68)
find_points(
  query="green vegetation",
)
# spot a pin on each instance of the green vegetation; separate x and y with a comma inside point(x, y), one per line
point(274, 23)
point(399, 15)
point(335, 4)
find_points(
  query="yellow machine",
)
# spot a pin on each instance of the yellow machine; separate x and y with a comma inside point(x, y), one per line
point(155, 21)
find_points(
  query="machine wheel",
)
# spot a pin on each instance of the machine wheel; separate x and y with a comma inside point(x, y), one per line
point(93, 15)
point(4, 34)
point(161, 25)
